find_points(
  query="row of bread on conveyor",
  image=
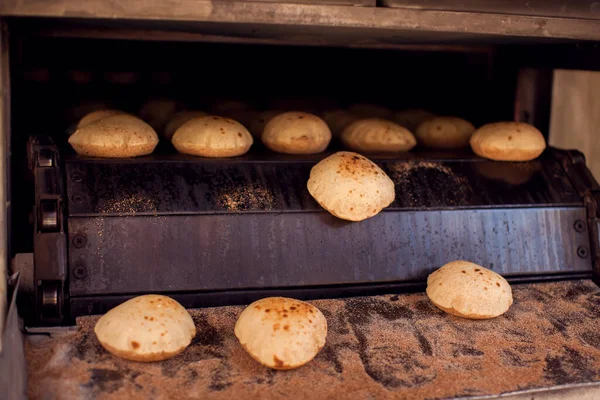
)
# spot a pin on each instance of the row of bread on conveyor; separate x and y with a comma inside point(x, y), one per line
point(346, 183)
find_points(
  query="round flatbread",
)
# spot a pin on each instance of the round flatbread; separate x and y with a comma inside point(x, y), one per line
point(350, 186)
point(377, 135)
point(445, 133)
point(468, 290)
point(281, 333)
point(296, 133)
point(212, 136)
point(118, 136)
point(508, 141)
point(146, 328)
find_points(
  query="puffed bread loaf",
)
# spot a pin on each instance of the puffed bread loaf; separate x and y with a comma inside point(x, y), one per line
point(118, 136)
point(508, 141)
point(350, 186)
point(445, 133)
point(281, 333)
point(468, 290)
point(377, 135)
point(146, 328)
point(212, 136)
point(296, 133)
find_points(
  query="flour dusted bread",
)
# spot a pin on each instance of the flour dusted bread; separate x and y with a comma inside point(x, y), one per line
point(281, 333)
point(179, 119)
point(445, 133)
point(338, 120)
point(377, 135)
point(146, 328)
point(296, 133)
point(411, 118)
point(366, 110)
point(97, 116)
point(212, 136)
point(468, 290)
point(260, 120)
point(350, 186)
point(118, 136)
point(508, 141)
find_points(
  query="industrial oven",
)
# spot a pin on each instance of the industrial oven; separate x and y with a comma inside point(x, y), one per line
point(85, 234)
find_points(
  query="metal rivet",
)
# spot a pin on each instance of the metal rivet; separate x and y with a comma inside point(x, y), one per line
point(76, 177)
point(582, 251)
point(80, 272)
point(77, 198)
point(79, 240)
point(579, 226)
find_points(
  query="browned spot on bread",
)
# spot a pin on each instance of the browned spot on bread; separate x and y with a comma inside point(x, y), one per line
point(278, 363)
point(439, 128)
point(485, 288)
point(510, 138)
point(135, 344)
point(151, 318)
point(286, 327)
point(145, 317)
point(276, 327)
point(154, 342)
point(477, 270)
point(498, 284)
point(463, 271)
point(268, 310)
point(240, 134)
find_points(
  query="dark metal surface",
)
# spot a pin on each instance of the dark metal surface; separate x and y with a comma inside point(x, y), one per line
point(243, 251)
point(49, 237)
point(185, 185)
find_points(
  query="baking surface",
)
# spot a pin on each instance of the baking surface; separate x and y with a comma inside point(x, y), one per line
point(393, 346)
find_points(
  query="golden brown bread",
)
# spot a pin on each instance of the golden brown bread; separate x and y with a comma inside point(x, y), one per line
point(350, 186)
point(445, 133)
point(377, 135)
point(281, 333)
point(296, 133)
point(146, 328)
point(468, 290)
point(117, 136)
point(212, 136)
point(508, 141)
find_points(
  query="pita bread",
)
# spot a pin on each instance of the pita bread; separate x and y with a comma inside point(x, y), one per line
point(468, 290)
point(281, 333)
point(508, 141)
point(146, 328)
point(350, 186)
